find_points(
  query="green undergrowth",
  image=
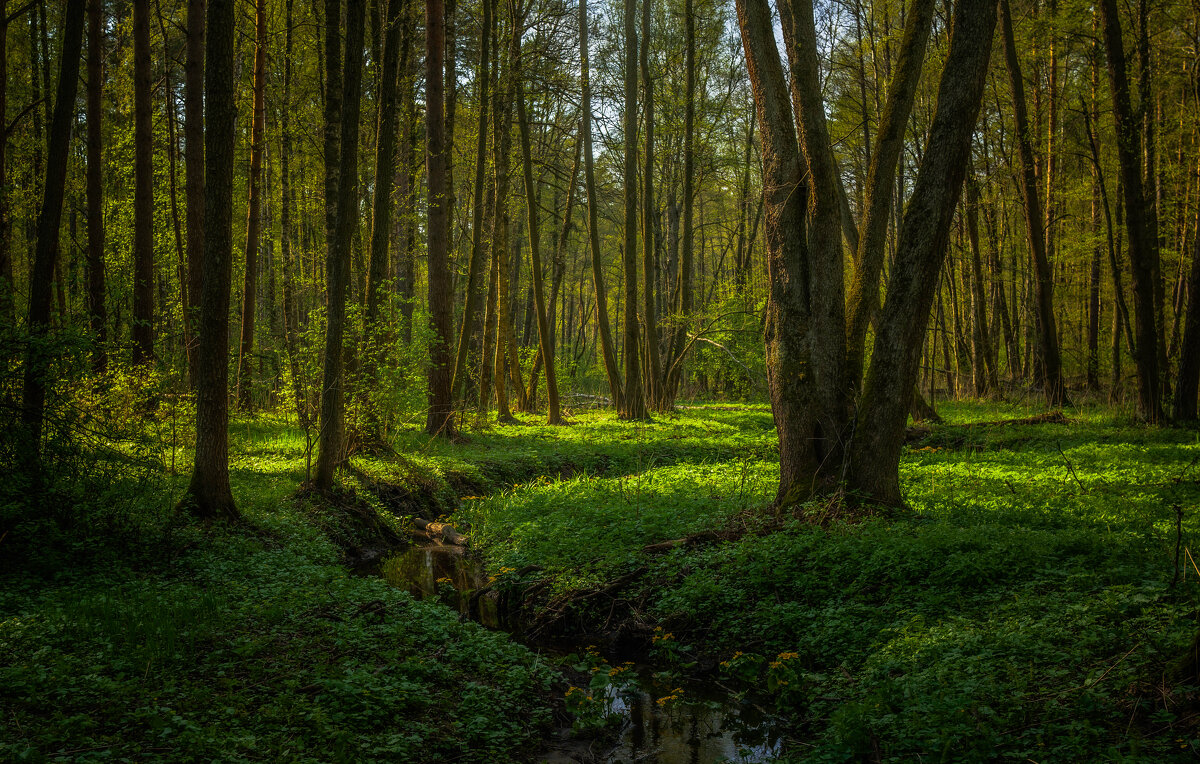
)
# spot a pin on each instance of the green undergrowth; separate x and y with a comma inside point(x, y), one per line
point(1022, 611)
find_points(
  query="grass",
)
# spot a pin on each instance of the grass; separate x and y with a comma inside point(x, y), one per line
point(1022, 611)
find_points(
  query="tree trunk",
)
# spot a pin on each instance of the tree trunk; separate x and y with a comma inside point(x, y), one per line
point(654, 396)
point(1052, 380)
point(634, 402)
point(440, 420)
point(1184, 408)
point(684, 305)
point(37, 355)
point(143, 189)
point(291, 312)
point(193, 164)
point(478, 262)
point(330, 452)
point(254, 206)
point(1143, 249)
point(589, 179)
point(97, 314)
point(983, 364)
point(208, 493)
point(921, 246)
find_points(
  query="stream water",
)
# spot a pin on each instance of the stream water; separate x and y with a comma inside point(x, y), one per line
point(709, 724)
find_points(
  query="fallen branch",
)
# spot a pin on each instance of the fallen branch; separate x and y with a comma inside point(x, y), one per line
point(440, 532)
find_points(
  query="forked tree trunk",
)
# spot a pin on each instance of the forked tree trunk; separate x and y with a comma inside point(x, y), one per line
point(208, 493)
point(920, 250)
point(330, 451)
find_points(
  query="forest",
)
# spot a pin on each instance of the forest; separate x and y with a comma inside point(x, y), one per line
point(660, 381)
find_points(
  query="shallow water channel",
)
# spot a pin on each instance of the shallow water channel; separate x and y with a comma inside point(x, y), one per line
point(709, 724)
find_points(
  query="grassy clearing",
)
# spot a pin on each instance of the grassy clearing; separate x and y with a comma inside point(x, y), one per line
point(1022, 611)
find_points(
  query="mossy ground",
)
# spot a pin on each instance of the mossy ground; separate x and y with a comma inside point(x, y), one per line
point(1022, 610)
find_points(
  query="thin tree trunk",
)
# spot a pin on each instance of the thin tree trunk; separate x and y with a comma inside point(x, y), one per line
point(1143, 249)
point(634, 401)
point(589, 179)
point(440, 420)
point(654, 395)
point(97, 313)
point(143, 189)
point(983, 364)
point(330, 452)
point(291, 312)
point(193, 164)
point(254, 206)
point(478, 261)
point(1052, 380)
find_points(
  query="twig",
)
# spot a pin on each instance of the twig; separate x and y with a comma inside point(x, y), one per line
point(1069, 466)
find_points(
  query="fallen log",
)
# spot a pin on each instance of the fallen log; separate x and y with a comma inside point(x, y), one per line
point(443, 532)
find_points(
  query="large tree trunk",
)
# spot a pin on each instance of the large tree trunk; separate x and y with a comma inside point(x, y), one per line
point(475, 270)
point(634, 401)
point(875, 451)
point(1052, 380)
point(254, 206)
point(330, 452)
point(143, 189)
point(589, 179)
point(97, 314)
point(1143, 248)
point(440, 420)
point(193, 164)
point(38, 357)
point(785, 205)
point(208, 493)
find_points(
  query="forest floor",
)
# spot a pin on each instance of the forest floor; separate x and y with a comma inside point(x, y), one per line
point(1022, 608)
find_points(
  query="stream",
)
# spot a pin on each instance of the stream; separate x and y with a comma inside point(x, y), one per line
point(709, 724)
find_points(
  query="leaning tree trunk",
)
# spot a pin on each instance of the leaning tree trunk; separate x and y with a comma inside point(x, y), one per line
point(254, 205)
point(440, 420)
point(330, 447)
point(544, 340)
point(874, 468)
point(143, 189)
point(208, 493)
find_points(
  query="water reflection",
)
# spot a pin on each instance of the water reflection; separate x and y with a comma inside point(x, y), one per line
point(710, 724)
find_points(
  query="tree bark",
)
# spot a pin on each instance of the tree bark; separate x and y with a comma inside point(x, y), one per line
point(209, 495)
point(193, 165)
point(653, 394)
point(330, 453)
point(634, 401)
